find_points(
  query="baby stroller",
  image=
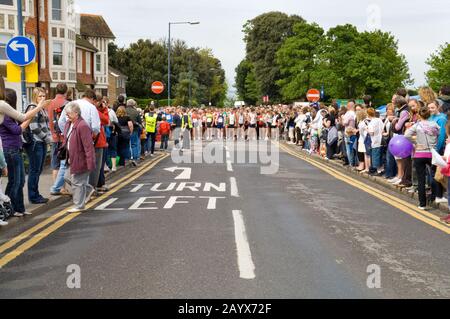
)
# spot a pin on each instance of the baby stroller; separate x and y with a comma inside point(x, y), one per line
point(6, 210)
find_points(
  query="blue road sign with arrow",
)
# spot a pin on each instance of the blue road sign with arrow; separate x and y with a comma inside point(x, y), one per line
point(20, 50)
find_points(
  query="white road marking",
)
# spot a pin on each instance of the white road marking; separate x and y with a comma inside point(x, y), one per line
point(106, 204)
point(211, 201)
point(186, 174)
point(137, 188)
point(233, 187)
point(144, 200)
point(244, 256)
point(229, 167)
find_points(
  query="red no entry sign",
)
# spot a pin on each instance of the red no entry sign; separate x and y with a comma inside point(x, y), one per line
point(313, 95)
point(157, 87)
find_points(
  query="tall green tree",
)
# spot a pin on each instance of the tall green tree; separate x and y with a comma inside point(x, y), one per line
point(264, 35)
point(299, 60)
point(145, 61)
point(439, 73)
point(246, 84)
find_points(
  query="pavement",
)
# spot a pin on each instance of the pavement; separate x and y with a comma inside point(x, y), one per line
point(225, 230)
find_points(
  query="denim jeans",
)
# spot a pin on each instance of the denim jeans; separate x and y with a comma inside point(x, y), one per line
point(391, 165)
point(151, 141)
point(376, 158)
point(135, 145)
point(16, 178)
point(59, 182)
point(349, 147)
point(36, 152)
point(164, 141)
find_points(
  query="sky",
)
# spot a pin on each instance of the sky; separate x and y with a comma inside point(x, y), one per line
point(420, 26)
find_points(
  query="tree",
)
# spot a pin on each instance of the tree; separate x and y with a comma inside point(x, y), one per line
point(439, 73)
point(264, 35)
point(299, 60)
point(246, 85)
point(146, 61)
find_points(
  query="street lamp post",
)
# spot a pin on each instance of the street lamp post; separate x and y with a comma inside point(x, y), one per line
point(168, 59)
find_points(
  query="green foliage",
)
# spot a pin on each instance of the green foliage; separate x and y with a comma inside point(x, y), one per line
point(439, 73)
point(299, 61)
point(348, 63)
point(263, 36)
point(146, 61)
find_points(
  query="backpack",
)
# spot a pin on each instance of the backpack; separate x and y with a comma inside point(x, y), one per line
point(27, 135)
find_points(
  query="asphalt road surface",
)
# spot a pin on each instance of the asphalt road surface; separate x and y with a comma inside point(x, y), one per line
point(225, 230)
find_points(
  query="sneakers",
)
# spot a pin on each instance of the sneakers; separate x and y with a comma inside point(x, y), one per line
point(76, 210)
point(421, 207)
point(440, 200)
point(89, 195)
point(3, 223)
point(27, 213)
point(397, 182)
point(16, 214)
point(394, 180)
point(41, 200)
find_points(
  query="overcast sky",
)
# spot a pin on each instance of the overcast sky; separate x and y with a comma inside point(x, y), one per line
point(420, 26)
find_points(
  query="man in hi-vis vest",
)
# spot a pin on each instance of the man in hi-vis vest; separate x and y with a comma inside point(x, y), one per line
point(151, 119)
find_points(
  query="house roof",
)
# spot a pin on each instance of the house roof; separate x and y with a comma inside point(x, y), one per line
point(92, 25)
point(85, 44)
point(116, 72)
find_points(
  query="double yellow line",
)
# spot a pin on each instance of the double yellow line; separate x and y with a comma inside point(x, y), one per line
point(396, 202)
point(117, 185)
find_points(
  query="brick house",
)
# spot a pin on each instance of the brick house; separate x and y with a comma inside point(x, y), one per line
point(85, 66)
point(36, 27)
point(94, 29)
point(63, 26)
point(117, 84)
point(9, 29)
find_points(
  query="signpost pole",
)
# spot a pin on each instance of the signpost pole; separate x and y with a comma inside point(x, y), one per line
point(23, 83)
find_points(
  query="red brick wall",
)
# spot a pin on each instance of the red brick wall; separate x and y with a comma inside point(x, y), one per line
point(31, 29)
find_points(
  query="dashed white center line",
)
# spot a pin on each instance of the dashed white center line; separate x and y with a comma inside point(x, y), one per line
point(244, 256)
point(233, 187)
point(229, 167)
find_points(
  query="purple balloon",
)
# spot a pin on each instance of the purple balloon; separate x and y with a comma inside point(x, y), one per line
point(400, 146)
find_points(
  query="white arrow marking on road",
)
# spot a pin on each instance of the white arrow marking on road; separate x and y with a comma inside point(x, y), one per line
point(186, 174)
point(245, 262)
point(16, 46)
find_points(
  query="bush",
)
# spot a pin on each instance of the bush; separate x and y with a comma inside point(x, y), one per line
point(143, 103)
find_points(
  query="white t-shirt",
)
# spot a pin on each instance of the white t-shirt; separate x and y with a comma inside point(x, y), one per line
point(375, 129)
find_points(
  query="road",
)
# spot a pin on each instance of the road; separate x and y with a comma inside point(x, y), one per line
point(225, 230)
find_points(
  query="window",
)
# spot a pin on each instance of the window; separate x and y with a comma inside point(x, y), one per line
point(72, 76)
point(2, 21)
point(79, 60)
point(31, 7)
point(6, 2)
point(98, 63)
point(4, 38)
point(63, 75)
point(62, 33)
point(11, 22)
point(41, 10)
point(54, 32)
point(56, 10)
point(43, 66)
point(71, 56)
point(57, 54)
point(88, 62)
point(55, 75)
